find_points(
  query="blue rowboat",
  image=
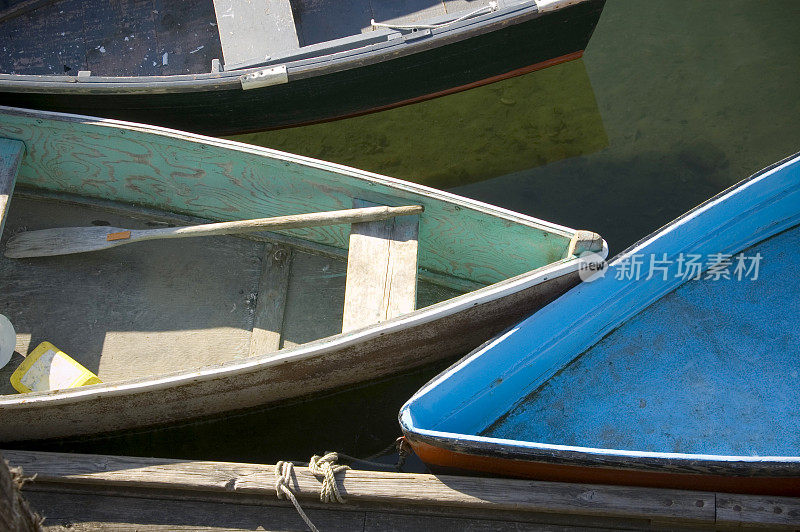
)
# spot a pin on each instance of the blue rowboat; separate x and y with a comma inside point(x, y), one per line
point(659, 374)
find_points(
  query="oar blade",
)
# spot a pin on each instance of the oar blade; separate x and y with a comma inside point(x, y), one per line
point(63, 241)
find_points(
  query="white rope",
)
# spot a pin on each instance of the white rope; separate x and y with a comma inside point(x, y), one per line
point(324, 466)
point(491, 8)
point(283, 475)
point(327, 468)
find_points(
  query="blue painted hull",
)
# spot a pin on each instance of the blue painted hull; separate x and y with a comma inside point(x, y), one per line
point(679, 367)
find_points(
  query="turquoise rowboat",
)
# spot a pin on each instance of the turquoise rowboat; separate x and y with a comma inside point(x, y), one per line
point(683, 371)
point(195, 327)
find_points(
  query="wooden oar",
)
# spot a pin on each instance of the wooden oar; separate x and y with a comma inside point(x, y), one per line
point(66, 240)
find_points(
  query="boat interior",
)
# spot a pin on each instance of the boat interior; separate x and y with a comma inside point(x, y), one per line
point(173, 37)
point(160, 306)
point(710, 368)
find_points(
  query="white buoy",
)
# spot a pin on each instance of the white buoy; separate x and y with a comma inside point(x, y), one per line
point(8, 340)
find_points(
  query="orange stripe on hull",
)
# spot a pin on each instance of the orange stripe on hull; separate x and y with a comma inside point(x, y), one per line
point(436, 456)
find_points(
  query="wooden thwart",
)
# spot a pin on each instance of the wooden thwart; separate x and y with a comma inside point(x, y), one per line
point(381, 270)
point(251, 31)
point(502, 500)
point(10, 156)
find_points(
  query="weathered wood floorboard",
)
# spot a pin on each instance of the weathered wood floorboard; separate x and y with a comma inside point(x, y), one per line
point(271, 303)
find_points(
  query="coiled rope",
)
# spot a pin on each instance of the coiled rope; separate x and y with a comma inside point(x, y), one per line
point(324, 466)
point(327, 467)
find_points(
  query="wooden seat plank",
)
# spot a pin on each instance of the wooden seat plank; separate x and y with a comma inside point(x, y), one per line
point(10, 157)
point(251, 31)
point(381, 270)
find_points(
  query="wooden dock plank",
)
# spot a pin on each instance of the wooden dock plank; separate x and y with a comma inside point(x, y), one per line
point(163, 493)
point(749, 510)
point(371, 486)
point(11, 152)
point(15, 513)
point(252, 31)
point(82, 512)
point(381, 270)
point(271, 303)
point(390, 522)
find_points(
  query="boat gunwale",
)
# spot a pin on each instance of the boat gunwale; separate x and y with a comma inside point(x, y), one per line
point(573, 455)
point(300, 68)
point(322, 346)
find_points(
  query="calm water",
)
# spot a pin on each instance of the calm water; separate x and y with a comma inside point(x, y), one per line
point(673, 102)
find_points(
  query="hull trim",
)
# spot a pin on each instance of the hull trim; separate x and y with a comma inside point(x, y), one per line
point(455, 461)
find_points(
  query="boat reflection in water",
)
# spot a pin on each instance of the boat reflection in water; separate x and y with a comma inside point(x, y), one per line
point(486, 132)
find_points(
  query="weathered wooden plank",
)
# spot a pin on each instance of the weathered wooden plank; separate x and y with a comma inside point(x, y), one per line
point(374, 487)
point(251, 31)
point(315, 302)
point(457, 6)
point(406, 11)
point(271, 303)
point(128, 490)
point(751, 510)
point(381, 270)
point(157, 510)
point(15, 514)
point(10, 157)
point(78, 512)
point(392, 521)
point(162, 502)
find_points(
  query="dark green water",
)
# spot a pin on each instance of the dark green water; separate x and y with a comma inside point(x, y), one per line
point(673, 102)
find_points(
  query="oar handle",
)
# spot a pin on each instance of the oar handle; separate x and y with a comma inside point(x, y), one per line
point(294, 221)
